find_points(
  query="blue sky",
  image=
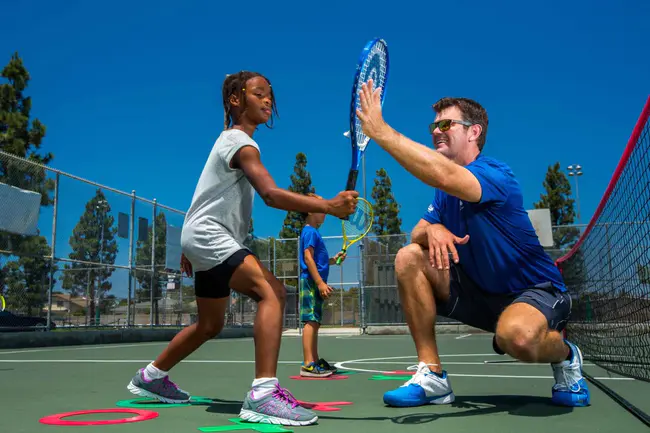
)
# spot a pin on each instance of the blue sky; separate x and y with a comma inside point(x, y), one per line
point(136, 85)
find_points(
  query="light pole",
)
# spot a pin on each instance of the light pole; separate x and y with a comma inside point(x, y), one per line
point(576, 170)
point(101, 207)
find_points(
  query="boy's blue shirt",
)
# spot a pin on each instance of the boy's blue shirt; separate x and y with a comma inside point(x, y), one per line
point(311, 237)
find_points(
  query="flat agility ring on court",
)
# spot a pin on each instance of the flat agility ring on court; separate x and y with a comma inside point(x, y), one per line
point(142, 415)
point(141, 403)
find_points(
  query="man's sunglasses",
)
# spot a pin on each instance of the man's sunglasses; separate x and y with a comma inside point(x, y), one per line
point(445, 124)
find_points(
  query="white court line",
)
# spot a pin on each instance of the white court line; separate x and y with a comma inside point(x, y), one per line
point(111, 346)
point(341, 365)
point(70, 349)
point(127, 361)
point(463, 336)
point(213, 361)
point(394, 337)
point(519, 364)
point(378, 337)
point(505, 376)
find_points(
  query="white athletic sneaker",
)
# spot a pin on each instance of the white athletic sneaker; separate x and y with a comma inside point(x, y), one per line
point(425, 387)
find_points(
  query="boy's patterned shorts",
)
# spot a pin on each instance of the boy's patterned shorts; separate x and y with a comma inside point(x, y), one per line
point(311, 306)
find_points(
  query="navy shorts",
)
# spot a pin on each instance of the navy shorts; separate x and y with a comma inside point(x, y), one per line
point(473, 306)
point(215, 283)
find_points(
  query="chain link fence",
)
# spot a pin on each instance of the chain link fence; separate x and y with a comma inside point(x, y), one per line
point(77, 254)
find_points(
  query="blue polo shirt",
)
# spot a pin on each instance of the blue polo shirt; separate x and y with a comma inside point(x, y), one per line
point(310, 237)
point(503, 254)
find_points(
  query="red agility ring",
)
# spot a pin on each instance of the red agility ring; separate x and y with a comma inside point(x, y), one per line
point(142, 415)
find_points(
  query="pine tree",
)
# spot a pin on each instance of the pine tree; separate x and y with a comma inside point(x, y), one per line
point(286, 251)
point(558, 200)
point(16, 136)
point(301, 184)
point(92, 241)
point(561, 206)
point(28, 278)
point(386, 210)
point(20, 138)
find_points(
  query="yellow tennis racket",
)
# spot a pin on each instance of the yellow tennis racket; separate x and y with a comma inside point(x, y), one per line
point(357, 225)
point(3, 304)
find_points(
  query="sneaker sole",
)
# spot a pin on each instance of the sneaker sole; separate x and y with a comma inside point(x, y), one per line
point(308, 374)
point(144, 393)
point(445, 399)
point(250, 416)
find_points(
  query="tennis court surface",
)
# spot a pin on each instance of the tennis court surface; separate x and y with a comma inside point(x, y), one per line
point(490, 397)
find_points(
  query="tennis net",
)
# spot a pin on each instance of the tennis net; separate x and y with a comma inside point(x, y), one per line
point(608, 269)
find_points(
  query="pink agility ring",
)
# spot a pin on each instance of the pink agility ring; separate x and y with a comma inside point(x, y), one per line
point(142, 415)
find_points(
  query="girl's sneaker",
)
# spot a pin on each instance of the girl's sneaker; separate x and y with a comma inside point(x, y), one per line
point(277, 407)
point(161, 389)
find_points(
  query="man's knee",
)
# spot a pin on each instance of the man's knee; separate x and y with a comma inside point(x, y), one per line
point(408, 259)
point(519, 332)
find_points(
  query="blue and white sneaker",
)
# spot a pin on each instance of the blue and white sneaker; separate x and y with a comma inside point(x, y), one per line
point(570, 387)
point(314, 369)
point(423, 388)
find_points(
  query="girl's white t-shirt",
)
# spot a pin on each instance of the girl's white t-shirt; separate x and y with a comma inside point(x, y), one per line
point(218, 219)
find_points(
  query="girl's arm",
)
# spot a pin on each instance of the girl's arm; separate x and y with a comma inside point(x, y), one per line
point(248, 160)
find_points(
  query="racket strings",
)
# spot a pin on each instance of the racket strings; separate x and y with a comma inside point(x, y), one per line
point(374, 67)
point(360, 222)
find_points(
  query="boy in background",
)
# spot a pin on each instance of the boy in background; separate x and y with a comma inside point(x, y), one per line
point(314, 270)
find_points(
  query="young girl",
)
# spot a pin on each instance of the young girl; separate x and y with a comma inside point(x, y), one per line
point(212, 241)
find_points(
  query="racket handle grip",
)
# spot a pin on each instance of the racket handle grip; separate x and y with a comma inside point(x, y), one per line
point(338, 261)
point(352, 180)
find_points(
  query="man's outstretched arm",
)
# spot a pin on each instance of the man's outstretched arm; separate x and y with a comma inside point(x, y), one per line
point(424, 163)
point(430, 166)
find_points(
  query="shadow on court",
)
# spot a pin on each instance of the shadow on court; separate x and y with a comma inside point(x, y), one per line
point(215, 405)
point(519, 405)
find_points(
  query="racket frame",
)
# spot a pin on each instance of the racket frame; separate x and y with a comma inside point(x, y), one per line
point(357, 151)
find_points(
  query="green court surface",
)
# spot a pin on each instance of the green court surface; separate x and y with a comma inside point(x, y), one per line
point(492, 397)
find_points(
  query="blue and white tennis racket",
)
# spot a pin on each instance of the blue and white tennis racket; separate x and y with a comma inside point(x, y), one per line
point(373, 63)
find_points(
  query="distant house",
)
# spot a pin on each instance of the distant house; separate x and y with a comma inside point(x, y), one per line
point(66, 304)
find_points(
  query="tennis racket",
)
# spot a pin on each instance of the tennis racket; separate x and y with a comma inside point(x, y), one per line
point(373, 63)
point(357, 225)
point(3, 304)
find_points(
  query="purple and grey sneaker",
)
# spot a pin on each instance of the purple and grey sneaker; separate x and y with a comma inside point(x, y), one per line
point(161, 389)
point(278, 407)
